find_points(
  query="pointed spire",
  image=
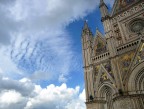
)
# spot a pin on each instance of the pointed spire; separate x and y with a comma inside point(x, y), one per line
point(104, 10)
point(98, 33)
point(102, 3)
point(97, 29)
point(86, 29)
point(85, 25)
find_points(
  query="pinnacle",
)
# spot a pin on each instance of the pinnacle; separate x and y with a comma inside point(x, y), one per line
point(85, 24)
point(101, 2)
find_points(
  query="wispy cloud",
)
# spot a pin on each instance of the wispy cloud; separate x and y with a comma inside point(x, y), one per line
point(38, 37)
point(34, 45)
point(36, 32)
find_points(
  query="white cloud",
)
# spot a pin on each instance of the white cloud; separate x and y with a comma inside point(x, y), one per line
point(39, 42)
point(82, 96)
point(34, 44)
point(36, 15)
point(56, 97)
point(25, 88)
point(7, 66)
point(9, 97)
point(51, 97)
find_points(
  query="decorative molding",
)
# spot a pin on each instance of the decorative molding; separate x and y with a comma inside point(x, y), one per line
point(128, 13)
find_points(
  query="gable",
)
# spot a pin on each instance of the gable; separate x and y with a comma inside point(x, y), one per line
point(103, 73)
point(99, 43)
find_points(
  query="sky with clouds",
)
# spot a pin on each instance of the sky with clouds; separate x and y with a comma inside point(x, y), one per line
point(40, 52)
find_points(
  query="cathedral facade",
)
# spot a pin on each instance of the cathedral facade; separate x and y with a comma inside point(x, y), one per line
point(114, 62)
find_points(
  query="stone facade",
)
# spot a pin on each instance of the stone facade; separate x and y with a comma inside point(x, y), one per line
point(114, 62)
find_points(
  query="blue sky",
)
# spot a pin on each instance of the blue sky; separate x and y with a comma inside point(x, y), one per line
point(40, 50)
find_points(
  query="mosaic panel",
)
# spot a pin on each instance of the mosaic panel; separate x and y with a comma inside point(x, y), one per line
point(125, 61)
point(100, 47)
point(108, 67)
point(140, 56)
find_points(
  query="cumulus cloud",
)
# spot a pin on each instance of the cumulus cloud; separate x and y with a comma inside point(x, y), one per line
point(51, 97)
point(23, 87)
point(56, 97)
point(11, 100)
point(10, 97)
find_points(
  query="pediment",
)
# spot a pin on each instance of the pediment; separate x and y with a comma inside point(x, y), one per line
point(99, 43)
point(104, 74)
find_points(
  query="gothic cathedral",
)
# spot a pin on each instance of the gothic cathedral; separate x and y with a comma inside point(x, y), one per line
point(114, 62)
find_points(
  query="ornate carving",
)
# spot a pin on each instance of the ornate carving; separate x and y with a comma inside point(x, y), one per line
point(105, 18)
point(128, 12)
point(117, 33)
point(121, 4)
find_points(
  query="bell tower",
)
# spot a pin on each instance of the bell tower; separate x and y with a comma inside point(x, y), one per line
point(88, 68)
